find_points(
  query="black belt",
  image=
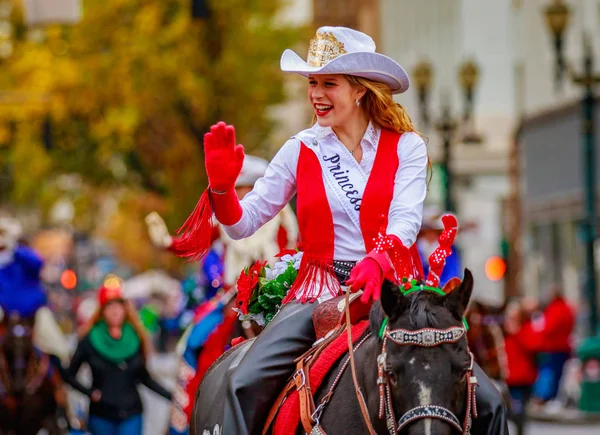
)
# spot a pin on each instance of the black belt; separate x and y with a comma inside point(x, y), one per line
point(342, 270)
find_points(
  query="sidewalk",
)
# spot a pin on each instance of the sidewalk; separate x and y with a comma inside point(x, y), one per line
point(561, 415)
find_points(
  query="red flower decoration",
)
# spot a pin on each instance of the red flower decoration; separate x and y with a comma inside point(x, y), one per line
point(246, 284)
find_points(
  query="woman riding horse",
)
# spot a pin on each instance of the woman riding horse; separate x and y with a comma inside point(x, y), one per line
point(360, 170)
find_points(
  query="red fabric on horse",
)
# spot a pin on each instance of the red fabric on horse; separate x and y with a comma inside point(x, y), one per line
point(288, 417)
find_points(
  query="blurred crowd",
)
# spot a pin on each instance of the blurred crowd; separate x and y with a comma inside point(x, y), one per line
point(527, 346)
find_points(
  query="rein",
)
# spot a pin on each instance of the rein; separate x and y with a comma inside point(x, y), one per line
point(361, 400)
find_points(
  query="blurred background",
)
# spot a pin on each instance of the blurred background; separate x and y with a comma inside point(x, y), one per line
point(104, 104)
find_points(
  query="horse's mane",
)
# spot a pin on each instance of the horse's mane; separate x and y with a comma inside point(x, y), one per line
point(375, 319)
point(421, 312)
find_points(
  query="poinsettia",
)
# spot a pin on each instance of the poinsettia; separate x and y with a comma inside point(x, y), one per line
point(262, 288)
point(246, 284)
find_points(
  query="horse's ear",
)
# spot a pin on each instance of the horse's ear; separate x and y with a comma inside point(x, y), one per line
point(392, 300)
point(458, 299)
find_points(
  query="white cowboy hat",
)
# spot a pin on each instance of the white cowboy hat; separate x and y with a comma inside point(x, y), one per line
point(340, 50)
point(252, 169)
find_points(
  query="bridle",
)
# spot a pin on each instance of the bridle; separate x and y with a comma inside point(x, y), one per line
point(427, 337)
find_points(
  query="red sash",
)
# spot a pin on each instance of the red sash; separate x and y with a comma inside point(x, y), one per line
point(315, 219)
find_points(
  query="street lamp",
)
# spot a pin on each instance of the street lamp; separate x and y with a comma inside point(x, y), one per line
point(423, 77)
point(588, 80)
point(557, 17)
point(468, 77)
point(447, 126)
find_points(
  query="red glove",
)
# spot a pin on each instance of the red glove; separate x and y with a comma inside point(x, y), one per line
point(369, 273)
point(224, 160)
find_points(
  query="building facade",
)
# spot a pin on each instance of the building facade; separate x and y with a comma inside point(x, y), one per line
point(446, 33)
point(550, 149)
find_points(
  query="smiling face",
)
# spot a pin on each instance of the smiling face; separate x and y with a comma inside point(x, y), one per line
point(333, 99)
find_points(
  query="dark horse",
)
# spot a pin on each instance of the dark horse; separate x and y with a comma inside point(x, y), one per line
point(422, 362)
point(30, 388)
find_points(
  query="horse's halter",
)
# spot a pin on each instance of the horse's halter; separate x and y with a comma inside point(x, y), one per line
point(427, 337)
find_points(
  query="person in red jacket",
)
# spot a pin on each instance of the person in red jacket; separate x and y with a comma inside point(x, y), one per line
point(557, 323)
point(522, 343)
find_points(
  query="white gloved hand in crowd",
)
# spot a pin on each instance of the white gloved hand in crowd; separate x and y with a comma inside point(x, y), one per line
point(158, 231)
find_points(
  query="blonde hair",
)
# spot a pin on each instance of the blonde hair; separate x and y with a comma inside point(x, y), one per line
point(131, 316)
point(381, 109)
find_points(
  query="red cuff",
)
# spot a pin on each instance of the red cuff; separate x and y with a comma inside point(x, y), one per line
point(226, 206)
point(384, 254)
point(383, 261)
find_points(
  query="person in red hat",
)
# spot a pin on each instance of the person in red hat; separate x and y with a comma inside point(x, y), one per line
point(116, 348)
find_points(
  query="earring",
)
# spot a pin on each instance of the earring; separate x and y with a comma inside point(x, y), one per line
point(357, 102)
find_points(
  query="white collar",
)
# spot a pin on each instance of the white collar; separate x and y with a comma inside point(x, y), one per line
point(317, 133)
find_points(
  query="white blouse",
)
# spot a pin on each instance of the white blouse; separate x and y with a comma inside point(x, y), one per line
point(273, 191)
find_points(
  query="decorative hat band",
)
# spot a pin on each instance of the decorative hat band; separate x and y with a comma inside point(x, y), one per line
point(323, 49)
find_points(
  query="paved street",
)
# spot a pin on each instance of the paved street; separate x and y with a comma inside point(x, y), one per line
point(557, 429)
point(156, 417)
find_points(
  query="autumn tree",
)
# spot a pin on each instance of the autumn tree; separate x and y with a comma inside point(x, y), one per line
point(123, 98)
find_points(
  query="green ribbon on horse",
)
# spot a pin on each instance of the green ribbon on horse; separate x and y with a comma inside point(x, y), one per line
point(412, 287)
point(115, 350)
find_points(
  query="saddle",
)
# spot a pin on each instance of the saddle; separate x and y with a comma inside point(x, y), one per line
point(330, 315)
point(330, 323)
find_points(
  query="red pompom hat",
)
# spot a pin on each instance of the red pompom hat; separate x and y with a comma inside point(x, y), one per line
point(107, 294)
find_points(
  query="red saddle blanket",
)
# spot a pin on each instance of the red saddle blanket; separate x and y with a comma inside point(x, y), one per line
point(288, 418)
